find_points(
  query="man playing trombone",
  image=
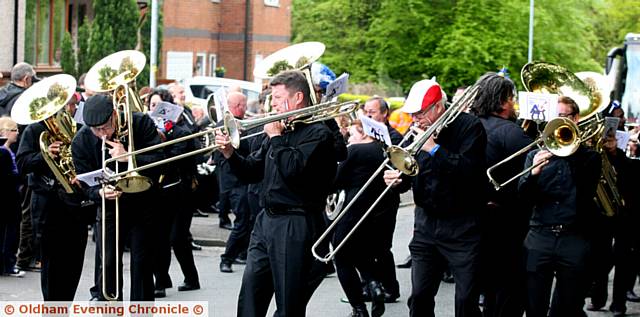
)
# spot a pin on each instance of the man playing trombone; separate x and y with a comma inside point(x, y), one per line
point(102, 125)
point(561, 191)
point(448, 202)
point(296, 166)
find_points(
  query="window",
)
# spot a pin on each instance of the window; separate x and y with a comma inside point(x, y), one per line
point(201, 64)
point(45, 24)
point(272, 3)
point(212, 64)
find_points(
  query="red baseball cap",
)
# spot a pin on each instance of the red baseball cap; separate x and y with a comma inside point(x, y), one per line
point(422, 95)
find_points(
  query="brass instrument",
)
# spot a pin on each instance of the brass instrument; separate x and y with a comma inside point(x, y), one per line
point(234, 127)
point(563, 137)
point(560, 137)
point(298, 56)
point(45, 101)
point(116, 74)
point(401, 159)
point(335, 202)
point(608, 198)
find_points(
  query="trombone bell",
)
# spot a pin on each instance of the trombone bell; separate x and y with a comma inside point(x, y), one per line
point(402, 160)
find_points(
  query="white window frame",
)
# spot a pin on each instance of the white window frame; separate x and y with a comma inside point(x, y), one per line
point(213, 63)
point(203, 67)
point(272, 3)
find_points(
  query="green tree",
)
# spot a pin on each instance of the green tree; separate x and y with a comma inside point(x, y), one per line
point(68, 57)
point(112, 29)
point(82, 56)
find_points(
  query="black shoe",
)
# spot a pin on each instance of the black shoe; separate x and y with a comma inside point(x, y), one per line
point(240, 261)
point(391, 298)
point(160, 293)
point(406, 264)
point(618, 311)
point(592, 307)
point(188, 287)
point(632, 297)
point(214, 209)
point(377, 299)
point(195, 246)
point(447, 277)
point(226, 225)
point(359, 312)
point(199, 213)
point(329, 268)
point(225, 267)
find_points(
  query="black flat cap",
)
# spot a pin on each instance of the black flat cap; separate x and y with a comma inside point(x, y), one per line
point(97, 110)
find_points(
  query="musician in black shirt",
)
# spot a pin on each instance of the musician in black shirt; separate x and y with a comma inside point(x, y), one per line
point(505, 220)
point(135, 209)
point(298, 165)
point(448, 203)
point(59, 220)
point(561, 191)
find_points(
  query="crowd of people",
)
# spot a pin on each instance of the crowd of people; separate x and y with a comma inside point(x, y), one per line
point(505, 246)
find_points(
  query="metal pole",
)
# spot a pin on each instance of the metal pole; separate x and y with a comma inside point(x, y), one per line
point(154, 43)
point(530, 55)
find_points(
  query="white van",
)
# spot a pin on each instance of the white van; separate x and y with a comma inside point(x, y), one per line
point(198, 88)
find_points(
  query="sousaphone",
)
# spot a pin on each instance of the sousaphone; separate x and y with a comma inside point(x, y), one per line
point(298, 56)
point(45, 101)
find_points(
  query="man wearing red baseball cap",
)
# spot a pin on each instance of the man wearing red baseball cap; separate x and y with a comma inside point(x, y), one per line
point(448, 192)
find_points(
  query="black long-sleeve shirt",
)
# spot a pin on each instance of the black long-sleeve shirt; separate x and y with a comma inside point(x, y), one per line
point(86, 149)
point(297, 168)
point(504, 137)
point(562, 194)
point(452, 182)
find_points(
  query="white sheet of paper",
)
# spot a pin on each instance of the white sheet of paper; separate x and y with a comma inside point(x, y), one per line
point(336, 87)
point(623, 139)
point(375, 129)
point(537, 106)
point(220, 100)
point(610, 126)
point(167, 111)
point(91, 178)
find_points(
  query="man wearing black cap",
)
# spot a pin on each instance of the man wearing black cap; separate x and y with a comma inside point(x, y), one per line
point(59, 219)
point(135, 216)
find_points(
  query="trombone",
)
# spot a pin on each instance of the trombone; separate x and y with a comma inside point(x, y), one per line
point(401, 159)
point(234, 127)
point(560, 137)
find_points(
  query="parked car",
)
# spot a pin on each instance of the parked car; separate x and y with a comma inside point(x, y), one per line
point(198, 88)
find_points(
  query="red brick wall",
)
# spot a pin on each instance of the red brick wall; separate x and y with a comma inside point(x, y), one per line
point(227, 20)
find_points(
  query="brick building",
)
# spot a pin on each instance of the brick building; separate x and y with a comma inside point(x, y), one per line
point(232, 33)
point(199, 35)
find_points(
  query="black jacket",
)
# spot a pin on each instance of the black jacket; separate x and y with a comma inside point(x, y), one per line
point(563, 192)
point(297, 168)
point(86, 150)
point(8, 96)
point(452, 182)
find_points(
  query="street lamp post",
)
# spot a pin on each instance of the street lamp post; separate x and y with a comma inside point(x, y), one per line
point(530, 55)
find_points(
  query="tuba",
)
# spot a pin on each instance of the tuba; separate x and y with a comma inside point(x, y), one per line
point(45, 101)
point(298, 56)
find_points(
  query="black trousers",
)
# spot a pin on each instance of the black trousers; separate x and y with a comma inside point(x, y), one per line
point(26, 251)
point(356, 258)
point(563, 255)
point(62, 230)
point(172, 231)
point(503, 270)
point(238, 240)
point(136, 226)
point(385, 268)
point(436, 242)
point(280, 261)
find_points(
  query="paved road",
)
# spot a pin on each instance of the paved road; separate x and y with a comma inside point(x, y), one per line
point(221, 290)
